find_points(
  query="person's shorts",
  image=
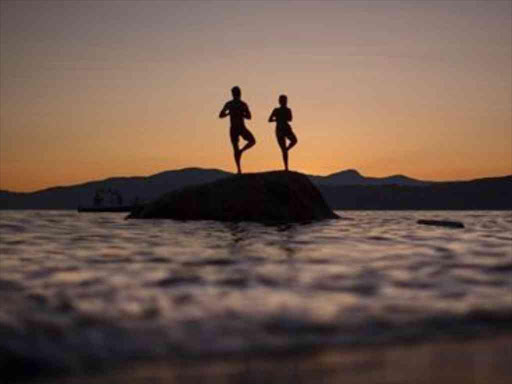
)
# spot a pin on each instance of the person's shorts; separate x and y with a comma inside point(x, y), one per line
point(235, 134)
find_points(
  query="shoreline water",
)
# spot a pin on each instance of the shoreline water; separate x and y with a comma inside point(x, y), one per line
point(477, 360)
point(92, 293)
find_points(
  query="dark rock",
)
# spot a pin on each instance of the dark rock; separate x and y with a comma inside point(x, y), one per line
point(261, 197)
point(442, 223)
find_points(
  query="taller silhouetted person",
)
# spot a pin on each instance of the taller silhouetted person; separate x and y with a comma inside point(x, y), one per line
point(282, 116)
point(238, 111)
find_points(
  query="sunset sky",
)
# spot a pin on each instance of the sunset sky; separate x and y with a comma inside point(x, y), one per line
point(93, 89)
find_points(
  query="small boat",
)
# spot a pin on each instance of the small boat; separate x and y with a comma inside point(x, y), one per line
point(109, 200)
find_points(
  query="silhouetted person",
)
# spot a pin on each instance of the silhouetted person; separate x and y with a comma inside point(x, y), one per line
point(238, 111)
point(282, 116)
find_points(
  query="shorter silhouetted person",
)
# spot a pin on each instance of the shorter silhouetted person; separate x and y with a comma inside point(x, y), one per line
point(238, 111)
point(283, 116)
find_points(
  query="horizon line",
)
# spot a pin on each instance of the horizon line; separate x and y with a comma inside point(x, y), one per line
point(232, 173)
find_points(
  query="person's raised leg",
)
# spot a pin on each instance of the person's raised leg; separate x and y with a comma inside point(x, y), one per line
point(251, 141)
point(293, 141)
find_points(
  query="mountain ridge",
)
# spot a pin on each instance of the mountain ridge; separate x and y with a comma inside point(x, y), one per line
point(353, 177)
point(134, 189)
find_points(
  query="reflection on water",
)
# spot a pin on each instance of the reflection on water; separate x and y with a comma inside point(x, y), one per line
point(99, 286)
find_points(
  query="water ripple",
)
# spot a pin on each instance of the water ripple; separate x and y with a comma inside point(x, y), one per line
point(98, 286)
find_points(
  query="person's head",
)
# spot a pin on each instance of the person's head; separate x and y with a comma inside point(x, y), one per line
point(283, 100)
point(236, 92)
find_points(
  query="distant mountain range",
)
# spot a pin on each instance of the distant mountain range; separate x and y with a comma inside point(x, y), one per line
point(343, 190)
point(353, 177)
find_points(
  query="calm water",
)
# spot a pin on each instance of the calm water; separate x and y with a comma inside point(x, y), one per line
point(78, 288)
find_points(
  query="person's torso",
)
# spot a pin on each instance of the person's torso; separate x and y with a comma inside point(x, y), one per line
point(282, 116)
point(236, 113)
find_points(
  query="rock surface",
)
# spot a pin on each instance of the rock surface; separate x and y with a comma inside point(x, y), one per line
point(262, 197)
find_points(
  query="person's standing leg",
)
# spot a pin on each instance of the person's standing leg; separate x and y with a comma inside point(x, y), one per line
point(293, 141)
point(281, 140)
point(236, 151)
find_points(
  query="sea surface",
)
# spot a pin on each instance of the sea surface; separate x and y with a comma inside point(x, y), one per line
point(79, 290)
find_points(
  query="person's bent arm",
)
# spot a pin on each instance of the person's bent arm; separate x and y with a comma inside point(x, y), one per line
point(272, 117)
point(224, 112)
point(290, 117)
point(247, 113)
